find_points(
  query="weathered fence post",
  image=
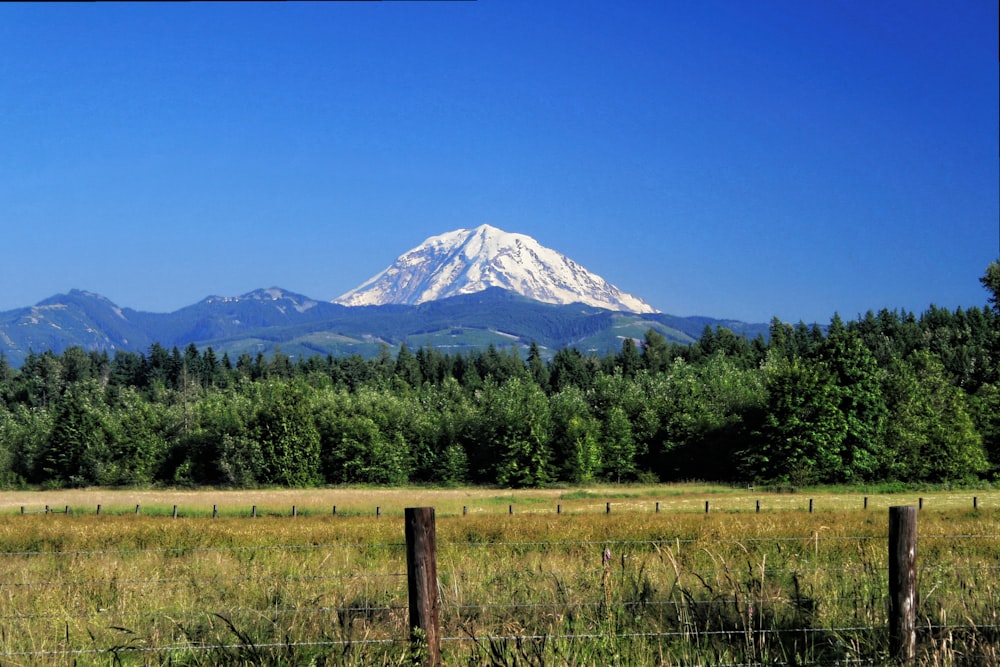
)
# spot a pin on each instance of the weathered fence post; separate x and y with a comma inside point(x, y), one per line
point(421, 574)
point(903, 583)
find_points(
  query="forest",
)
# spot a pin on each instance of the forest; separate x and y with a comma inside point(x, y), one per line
point(887, 397)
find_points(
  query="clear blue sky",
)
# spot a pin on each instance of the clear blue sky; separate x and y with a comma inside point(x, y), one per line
point(725, 158)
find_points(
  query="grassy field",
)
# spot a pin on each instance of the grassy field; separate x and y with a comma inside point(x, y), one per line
point(675, 498)
point(681, 587)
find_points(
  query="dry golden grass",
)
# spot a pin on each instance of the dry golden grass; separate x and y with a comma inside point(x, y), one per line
point(672, 498)
point(122, 582)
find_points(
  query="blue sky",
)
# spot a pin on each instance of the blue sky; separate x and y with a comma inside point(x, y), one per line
point(725, 158)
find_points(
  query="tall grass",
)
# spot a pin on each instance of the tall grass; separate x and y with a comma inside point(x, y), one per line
point(533, 588)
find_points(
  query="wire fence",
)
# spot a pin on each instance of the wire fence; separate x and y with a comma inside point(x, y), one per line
point(806, 599)
point(741, 503)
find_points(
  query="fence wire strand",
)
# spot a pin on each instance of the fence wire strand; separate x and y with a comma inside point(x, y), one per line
point(451, 611)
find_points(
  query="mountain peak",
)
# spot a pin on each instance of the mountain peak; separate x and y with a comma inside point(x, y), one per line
point(277, 296)
point(466, 261)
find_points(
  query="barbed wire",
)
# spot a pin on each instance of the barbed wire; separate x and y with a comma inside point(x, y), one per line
point(472, 638)
point(197, 580)
point(353, 607)
point(595, 572)
point(445, 544)
point(364, 608)
point(183, 550)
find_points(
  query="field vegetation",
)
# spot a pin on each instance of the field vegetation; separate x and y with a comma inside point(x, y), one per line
point(886, 398)
point(537, 587)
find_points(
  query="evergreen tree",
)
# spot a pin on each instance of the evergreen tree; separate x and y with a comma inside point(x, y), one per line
point(537, 368)
point(629, 360)
point(569, 368)
point(76, 449)
point(407, 367)
point(655, 352)
point(991, 281)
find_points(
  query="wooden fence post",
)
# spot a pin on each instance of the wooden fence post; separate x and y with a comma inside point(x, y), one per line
point(421, 575)
point(903, 583)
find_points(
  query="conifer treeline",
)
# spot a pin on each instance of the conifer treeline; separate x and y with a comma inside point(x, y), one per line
point(889, 396)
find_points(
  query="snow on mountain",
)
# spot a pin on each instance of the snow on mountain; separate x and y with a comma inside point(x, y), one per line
point(280, 298)
point(466, 261)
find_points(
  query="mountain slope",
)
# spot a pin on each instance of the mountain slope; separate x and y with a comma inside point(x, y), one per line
point(467, 261)
point(79, 318)
point(264, 320)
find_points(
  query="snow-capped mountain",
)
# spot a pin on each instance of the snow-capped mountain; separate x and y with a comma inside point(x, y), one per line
point(467, 261)
point(281, 299)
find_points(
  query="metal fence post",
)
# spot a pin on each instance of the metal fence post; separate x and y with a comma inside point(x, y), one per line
point(421, 575)
point(903, 583)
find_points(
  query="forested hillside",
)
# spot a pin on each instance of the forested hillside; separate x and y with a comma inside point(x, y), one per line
point(888, 396)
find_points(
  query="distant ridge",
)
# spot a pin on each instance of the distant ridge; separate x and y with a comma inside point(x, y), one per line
point(266, 320)
point(467, 261)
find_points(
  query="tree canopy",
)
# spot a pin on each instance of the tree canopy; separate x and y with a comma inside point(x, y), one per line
point(889, 396)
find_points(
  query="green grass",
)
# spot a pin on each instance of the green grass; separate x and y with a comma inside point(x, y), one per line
point(681, 588)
